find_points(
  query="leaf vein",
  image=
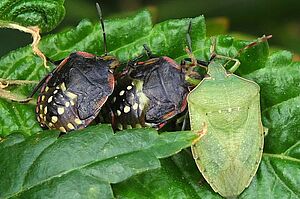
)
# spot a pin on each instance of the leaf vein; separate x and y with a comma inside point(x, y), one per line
point(288, 187)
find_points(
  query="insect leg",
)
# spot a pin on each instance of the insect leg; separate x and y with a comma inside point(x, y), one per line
point(214, 55)
point(184, 123)
point(148, 51)
point(236, 64)
point(200, 133)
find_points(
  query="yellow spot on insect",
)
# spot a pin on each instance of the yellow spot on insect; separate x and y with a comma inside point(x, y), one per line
point(129, 127)
point(56, 91)
point(120, 126)
point(50, 99)
point(72, 103)
point(135, 106)
point(63, 87)
point(126, 109)
point(132, 83)
point(50, 124)
point(78, 121)
point(71, 95)
point(141, 108)
point(62, 129)
point(41, 116)
point(118, 112)
point(143, 99)
point(121, 92)
point(67, 104)
point(138, 126)
point(44, 118)
point(43, 98)
point(47, 88)
point(45, 110)
point(129, 87)
point(70, 126)
point(41, 107)
point(54, 119)
point(60, 110)
point(114, 99)
point(38, 119)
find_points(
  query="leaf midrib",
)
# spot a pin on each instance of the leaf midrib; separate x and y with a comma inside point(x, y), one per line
point(282, 157)
point(280, 180)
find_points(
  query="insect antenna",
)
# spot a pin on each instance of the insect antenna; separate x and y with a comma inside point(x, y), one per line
point(258, 41)
point(194, 61)
point(102, 25)
point(188, 37)
point(188, 49)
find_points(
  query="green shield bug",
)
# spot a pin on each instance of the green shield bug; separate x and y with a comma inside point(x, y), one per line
point(225, 109)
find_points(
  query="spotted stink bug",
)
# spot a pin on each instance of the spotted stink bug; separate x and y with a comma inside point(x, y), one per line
point(225, 110)
point(74, 92)
point(150, 94)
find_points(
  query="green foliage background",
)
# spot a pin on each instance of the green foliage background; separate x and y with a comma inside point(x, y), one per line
point(22, 177)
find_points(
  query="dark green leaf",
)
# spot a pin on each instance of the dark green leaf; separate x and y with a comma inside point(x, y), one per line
point(177, 178)
point(277, 76)
point(277, 177)
point(82, 163)
point(45, 14)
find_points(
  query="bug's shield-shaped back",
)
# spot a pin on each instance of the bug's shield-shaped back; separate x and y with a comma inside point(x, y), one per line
point(229, 153)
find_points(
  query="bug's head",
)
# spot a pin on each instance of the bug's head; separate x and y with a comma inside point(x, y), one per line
point(216, 70)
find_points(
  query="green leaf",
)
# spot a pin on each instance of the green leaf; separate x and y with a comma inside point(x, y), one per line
point(45, 14)
point(82, 163)
point(277, 177)
point(276, 74)
point(177, 178)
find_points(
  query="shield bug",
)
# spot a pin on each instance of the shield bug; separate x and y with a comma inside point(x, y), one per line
point(152, 92)
point(74, 92)
point(225, 109)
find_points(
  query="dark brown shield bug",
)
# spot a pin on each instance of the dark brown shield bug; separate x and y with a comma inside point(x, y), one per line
point(152, 92)
point(73, 93)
